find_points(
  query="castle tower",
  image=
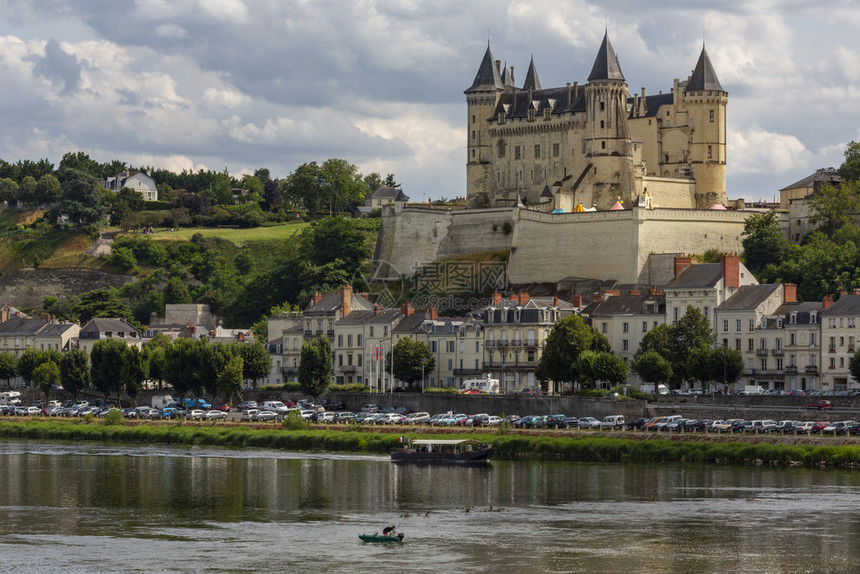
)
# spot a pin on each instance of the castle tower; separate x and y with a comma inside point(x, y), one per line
point(607, 139)
point(706, 102)
point(481, 100)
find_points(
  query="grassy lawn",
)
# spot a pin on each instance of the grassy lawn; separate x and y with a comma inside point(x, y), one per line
point(237, 236)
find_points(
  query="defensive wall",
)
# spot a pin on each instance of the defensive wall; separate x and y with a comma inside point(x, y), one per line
point(547, 247)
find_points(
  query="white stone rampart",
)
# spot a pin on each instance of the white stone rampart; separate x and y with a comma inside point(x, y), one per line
point(548, 247)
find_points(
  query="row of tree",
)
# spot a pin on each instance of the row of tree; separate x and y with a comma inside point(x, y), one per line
point(114, 368)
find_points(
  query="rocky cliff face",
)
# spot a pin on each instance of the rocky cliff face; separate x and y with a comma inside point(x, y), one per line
point(28, 287)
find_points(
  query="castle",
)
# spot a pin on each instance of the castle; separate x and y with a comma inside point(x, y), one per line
point(650, 169)
point(594, 144)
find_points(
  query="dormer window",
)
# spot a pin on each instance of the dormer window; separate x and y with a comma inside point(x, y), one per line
point(792, 318)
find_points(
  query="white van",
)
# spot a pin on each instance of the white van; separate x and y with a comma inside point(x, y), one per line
point(161, 401)
point(10, 398)
point(276, 407)
point(612, 422)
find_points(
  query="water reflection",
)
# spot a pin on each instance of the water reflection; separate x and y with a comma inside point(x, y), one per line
point(102, 507)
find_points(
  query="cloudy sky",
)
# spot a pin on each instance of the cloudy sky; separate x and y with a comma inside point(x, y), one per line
point(244, 84)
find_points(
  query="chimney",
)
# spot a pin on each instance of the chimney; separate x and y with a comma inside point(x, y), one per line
point(524, 298)
point(654, 290)
point(407, 309)
point(682, 261)
point(577, 301)
point(514, 297)
point(148, 172)
point(611, 293)
point(241, 337)
point(376, 310)
point(555, 301)
point(317, 298)
point(597, 297)
point(826, 302)
point(634, 292)
point(434, 313)
point(789, 293)
point(497, 298)
point(730, 269)
point(346, 299)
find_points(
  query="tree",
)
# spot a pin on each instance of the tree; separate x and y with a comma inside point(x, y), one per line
point(27, 190)
point(850, 168)
point(658, 340)
point(693, 331)
point(569, 337)
point(764, 242)
point(134, 371)
point(175, 291)
point(101, 303)
point(181, 362)
point(412, 360)
point(835, 206)
point(108, 360)
point(8, 364)
point(48, 189)
point(611, 368)
point(46, 376)
point(699, 365)
point(27, 363)
point(333, 239)
point(82, 199)
point(257, 363)
point(653, 368)
point(315, 366)
point(304, 187)
point(8, 189)
point(123, 204)
point(854, 365)
point(230, 378)
point(727, 365)
point(75, 371)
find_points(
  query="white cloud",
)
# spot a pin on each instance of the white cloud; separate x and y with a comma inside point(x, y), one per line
point(758, 151)
point(171, 30)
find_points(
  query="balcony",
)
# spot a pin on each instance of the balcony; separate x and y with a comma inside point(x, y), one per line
point(761, 352)
point(346, 368)
point(523, 365)
point(812, 369)
point(791, 369)
point(330, 334)
point(289, 370)
point(777, 352)
point(467, 372)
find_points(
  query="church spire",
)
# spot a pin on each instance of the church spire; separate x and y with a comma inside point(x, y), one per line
point(606, 66)
point(532, 82)
point(487, 78)
point(704, 77)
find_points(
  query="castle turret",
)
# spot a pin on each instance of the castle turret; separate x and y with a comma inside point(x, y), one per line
point(706, 102)
point(607, 138)
point(481, 100)
point(532, 82)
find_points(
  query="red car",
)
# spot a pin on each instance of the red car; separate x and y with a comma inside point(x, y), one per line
point(822, 404)
point(223, 407)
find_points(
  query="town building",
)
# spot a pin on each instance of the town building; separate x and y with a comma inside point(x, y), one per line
point(108, 328)
point(839, 341)
point(138, 181)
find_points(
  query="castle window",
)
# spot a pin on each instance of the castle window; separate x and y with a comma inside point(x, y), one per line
point(602, 124)
point(602, 106)
point(473, 134)
point(711, 112)
point(500, 148)
point(537, 152)
point(518, 152)
point(555, 150)
point(473, 119)
point(602, 145)
point(473, 153)
point(710, 153)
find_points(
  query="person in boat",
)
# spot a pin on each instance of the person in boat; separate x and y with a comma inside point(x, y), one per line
point(389, 531)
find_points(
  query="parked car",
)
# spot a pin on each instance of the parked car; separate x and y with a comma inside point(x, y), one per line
point(416, 418)
point(612, 422)
point(326, 417)
point(637, 424)
point(215, 415)
point(223, 407)
point(345, 416)
point(248, 414)
point(822, 404)
point(493, 421)
point(803, 426)
point(333, 405)
point(264, 416)
point(589, 423)
point(511, 419)
point(245, 405)
point(555, 422)
point(195, 414)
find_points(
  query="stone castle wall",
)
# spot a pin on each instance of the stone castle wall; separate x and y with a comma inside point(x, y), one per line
point(547, 248)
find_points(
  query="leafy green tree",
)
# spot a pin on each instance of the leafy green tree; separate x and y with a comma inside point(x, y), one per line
point(653, 368)
point(342, 184)
point(610, 367)
point(27, 363)
point(123, 204)
point(79, 161)
point(850, 168)
point(8, 364)
point(693, 331)
point(412, 360)
point(175, 291)
point(45, 377)
point(121, 257)
point(699, 365)
point(108, 367)
point(315, 366)
point(135, 371)
point(8, 189)
point(257, 363)
point(569, 337)
point(854, 365)
point(155, 351)
point(181, 367)
point(75, 371)
point(764, 242)
point(658, 340)
point(101, 303)
point(835, 206)
point(27, 190)
point(230, 378)
point(82, 200)
point(48, 189)
point(727, 365)
point(334, 238)
point(303, 188)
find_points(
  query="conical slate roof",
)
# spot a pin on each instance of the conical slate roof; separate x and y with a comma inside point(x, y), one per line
point(704, 77)
point(606, 66)
point(532, 82)
point(487, 78)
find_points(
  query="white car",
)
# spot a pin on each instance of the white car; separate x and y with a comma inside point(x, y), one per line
point(248, 414)
point(416, 418)
point(261, 416)
point(493, 420)
point(589, 423)
point(216, 415)
point(31, 411)
point(195, 414)
point(327, 417)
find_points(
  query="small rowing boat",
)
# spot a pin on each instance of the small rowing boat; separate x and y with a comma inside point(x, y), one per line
point(381, 538)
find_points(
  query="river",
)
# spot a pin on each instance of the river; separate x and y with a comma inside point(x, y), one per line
point(93, 508)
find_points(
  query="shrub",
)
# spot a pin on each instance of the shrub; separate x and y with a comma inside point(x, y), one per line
point(114, 417)
point(593, 393)
point(352, 388)
point(442, 390)
point(89, 418)
point(294, 422)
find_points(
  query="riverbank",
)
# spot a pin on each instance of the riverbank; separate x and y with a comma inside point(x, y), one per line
point(581, 447)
